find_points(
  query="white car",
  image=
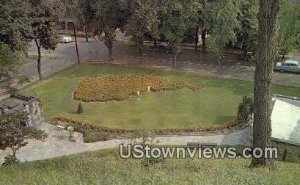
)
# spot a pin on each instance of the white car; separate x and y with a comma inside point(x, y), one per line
point(288, 66)
point(65, 39)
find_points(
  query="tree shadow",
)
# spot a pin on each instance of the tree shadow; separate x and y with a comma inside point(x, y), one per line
point(220, 120)
point(241, 137)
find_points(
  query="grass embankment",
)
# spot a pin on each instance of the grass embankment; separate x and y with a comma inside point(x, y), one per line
point(213, 105)
point(106, 167)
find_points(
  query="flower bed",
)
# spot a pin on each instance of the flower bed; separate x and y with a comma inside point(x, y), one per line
point(115, 87)
point(94, 133)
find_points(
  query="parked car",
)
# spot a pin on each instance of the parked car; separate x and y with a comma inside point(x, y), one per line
point(288, 66)
point(161, 47)
point(65, 39)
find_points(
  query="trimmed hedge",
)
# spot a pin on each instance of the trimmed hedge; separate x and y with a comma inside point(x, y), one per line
point(94, 133)
point(245, 109)
point(117, 87)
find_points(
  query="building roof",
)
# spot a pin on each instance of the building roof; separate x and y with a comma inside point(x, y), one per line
point(15, 103)
point(286, 119)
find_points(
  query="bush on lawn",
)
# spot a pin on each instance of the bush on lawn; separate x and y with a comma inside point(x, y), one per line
point(245, 109)
point(80, 108)
point(115, 87)
point(10, 160)
point(93, 133)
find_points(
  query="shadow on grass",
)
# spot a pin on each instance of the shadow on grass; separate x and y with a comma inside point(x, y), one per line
point(220, 120)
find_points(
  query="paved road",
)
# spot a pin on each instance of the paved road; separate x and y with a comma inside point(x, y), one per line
point(65, 56)
point(57, 143)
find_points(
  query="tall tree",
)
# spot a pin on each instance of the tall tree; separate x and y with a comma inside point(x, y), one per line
point(247, 34)
point(8, 61)
point(143, 20)
point(75, 9)
point(289, 27)
point(176, 17)
point(44, 15)
point(266, 51)
point(201, 26)
point(80, 15)
point(9, 65)
point(13, 133)
point(15, 24)
point(15, 27)
point(221, 20)
point(108, 16)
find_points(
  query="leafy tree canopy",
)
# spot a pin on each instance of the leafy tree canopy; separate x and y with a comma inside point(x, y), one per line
point(44, 15)
point(15, 24)
point(107, 16)
point(221, 21)
point(176, 17)
point(289, 27)
point(9, 62)
point(247, 34)
point(13, 133)
point(143, 20)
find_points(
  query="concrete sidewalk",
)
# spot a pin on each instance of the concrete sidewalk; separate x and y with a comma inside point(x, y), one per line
point(57, 143)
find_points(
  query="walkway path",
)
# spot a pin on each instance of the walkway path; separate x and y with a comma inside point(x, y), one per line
point(57, 143)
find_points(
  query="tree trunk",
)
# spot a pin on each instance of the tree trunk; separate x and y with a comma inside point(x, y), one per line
point(203, 37)
point(140, 51)
point(39, 67)
point(14, 153)
point(76, 45)
point(196, 37)
point(140, 46)
point(244, 54)
point(267, 18)
point(220, 57)
point(155, 42)
point(86, 35)
point(109, 35)
point(175, 60)
point(110, 54)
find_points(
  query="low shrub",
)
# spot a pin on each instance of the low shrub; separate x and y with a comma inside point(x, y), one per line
point(245, 109)
point(94, 133)
point(10, 160)
point(114, 87)
point(79, 108)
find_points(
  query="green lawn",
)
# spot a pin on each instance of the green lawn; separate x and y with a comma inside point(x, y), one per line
point(211, 106)
point(106, 167)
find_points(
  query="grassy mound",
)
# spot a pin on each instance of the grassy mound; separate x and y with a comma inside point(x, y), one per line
point(121, 87)
point(105, 167)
